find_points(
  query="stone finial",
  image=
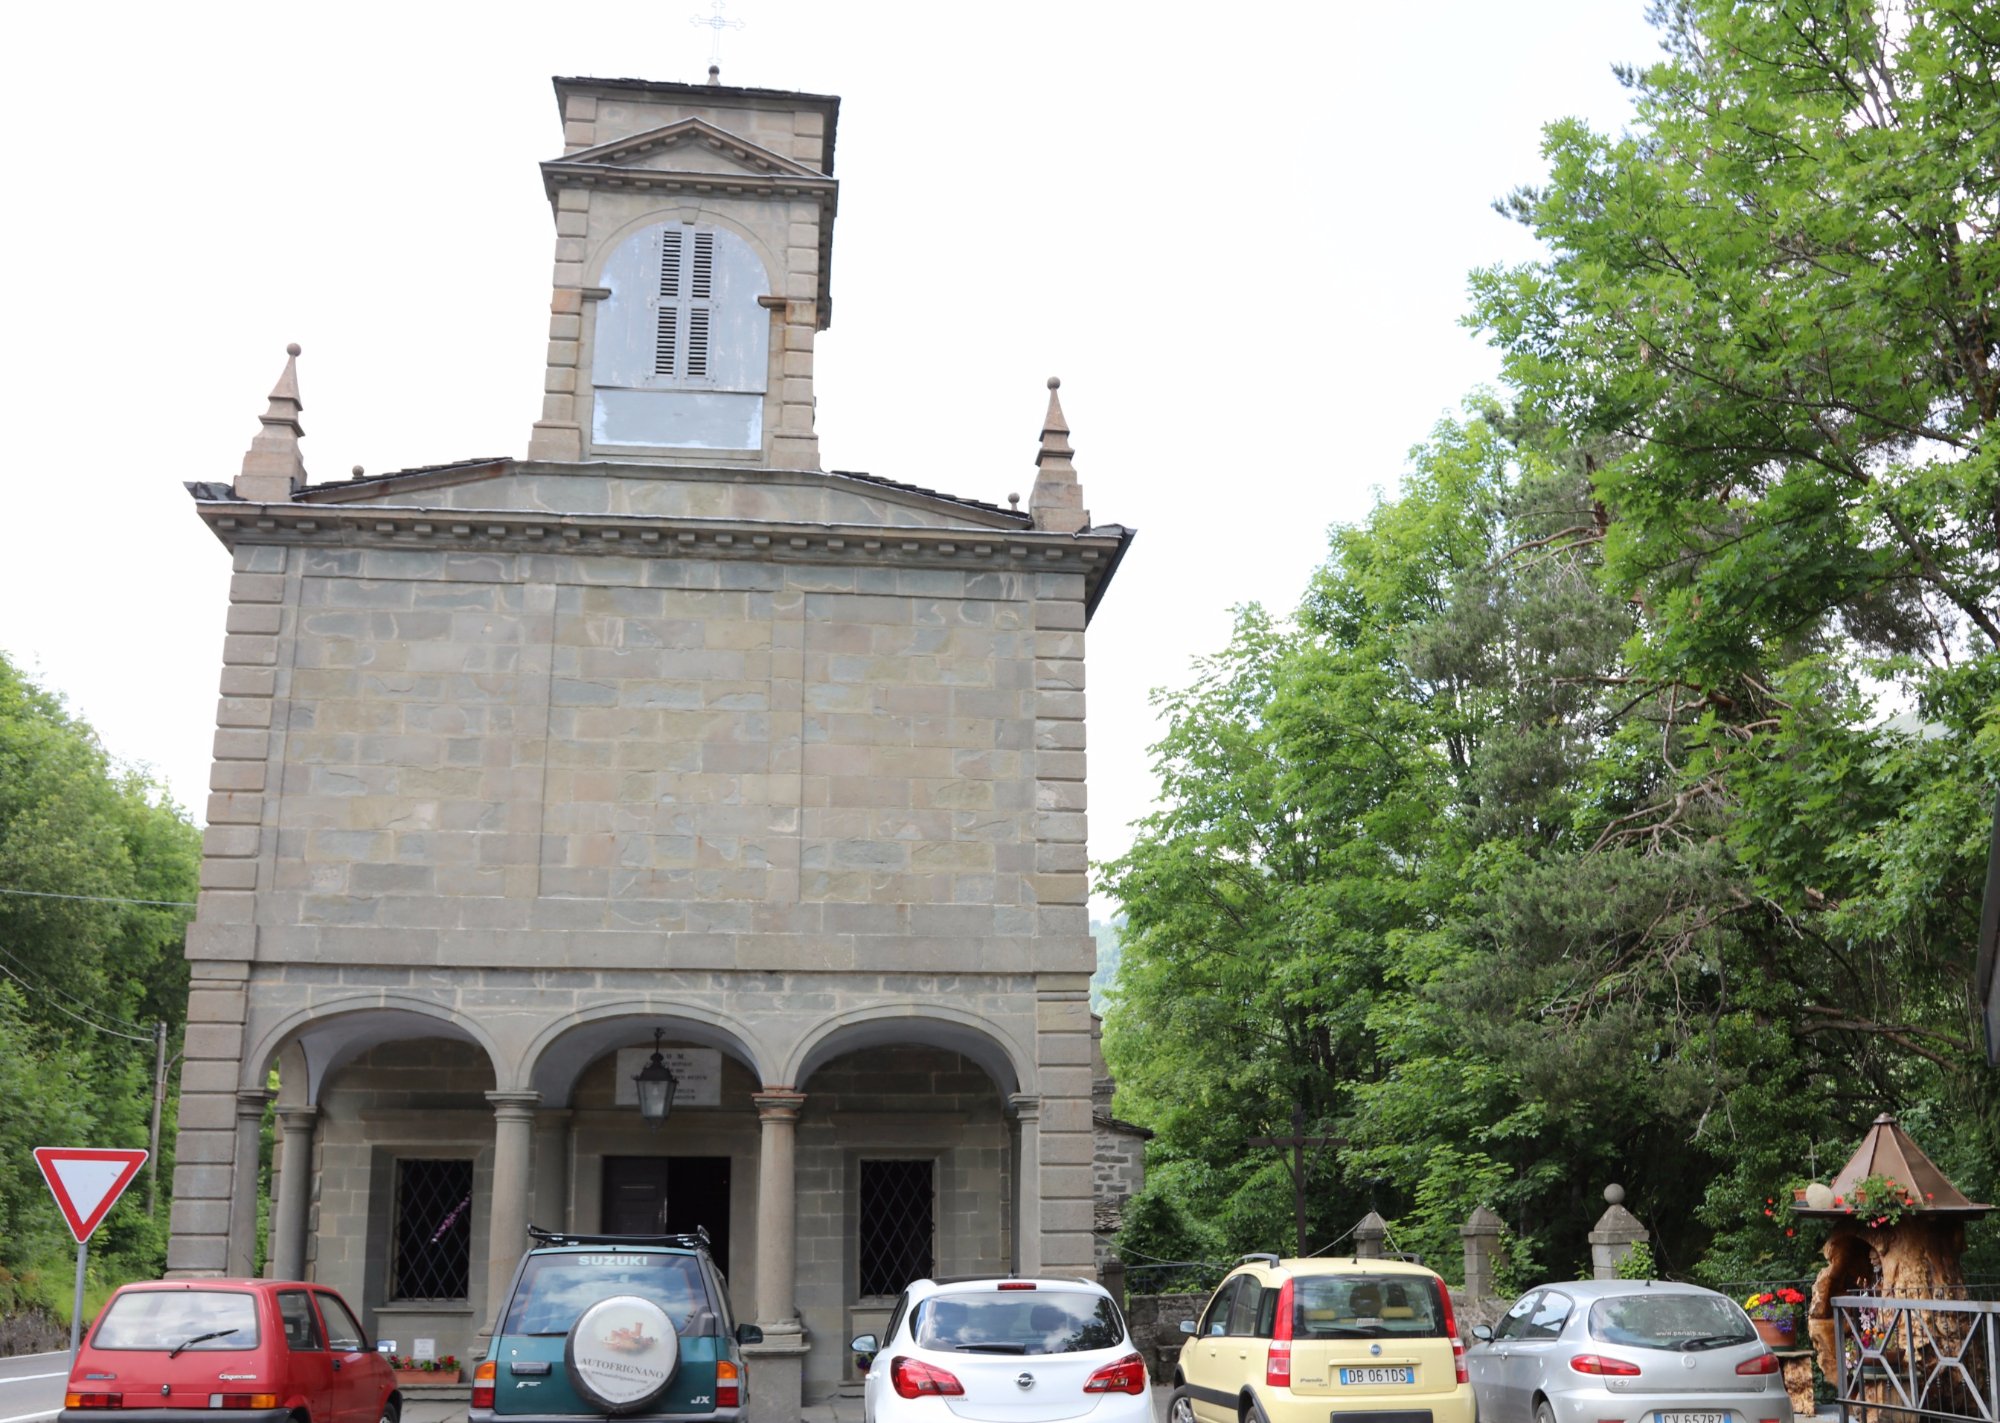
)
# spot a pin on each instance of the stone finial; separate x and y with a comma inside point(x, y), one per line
point(1369, 1235)
point(1056, 502)
point(273, 468)
point(1617, 1231)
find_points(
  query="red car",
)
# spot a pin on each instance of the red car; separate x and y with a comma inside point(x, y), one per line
point(173, 1351)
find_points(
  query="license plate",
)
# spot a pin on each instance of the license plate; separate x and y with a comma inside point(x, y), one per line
point(1664, 1417)
point(1407, 1375)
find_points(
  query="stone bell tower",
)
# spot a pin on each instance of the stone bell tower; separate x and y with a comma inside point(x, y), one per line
point(694, 231)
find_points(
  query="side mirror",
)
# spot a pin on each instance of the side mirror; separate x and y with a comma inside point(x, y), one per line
point(866, 1345)
point(1187, 1326)
point(1483, 1333)
point(749, 1334)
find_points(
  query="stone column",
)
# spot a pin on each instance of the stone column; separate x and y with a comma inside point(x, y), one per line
point(778, 1363)
point(250, 1105)
point(1369, 1235)
point(1027, 1112)
point(777, 1210)
point(288, 1212)
point(1618, 1230)
point(507, 1215)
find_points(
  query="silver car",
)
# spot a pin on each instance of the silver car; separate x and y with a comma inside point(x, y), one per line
point(1625, 1351)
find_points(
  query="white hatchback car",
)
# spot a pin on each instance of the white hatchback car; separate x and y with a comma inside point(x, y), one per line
point(1003, 1351)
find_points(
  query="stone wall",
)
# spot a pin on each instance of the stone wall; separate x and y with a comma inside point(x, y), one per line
point(1155, 1321)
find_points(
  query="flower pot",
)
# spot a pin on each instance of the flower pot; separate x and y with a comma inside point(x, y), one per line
point(1778, 1333)
point(420, 1378)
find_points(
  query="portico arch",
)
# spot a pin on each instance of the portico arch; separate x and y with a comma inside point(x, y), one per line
point(1007, 1061)
point(329, 1035)
point(562, 1050)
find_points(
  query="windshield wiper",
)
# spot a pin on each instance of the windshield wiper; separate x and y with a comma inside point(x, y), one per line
point(1712, 1341)
point(175, 1352)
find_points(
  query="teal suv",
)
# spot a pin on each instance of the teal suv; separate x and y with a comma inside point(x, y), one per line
point(614, 1326)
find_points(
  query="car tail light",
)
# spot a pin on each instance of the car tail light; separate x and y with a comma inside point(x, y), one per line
point(728, 1392)
point(913, 1378)
point(1018, 1285)
point(93, 1400)
point(1278, 1363)
point(1599, 1364)
point(1127, 1375)
point(1451, 1333)
point(1764, 1363)
point(482, 1384)
point(243, 1400)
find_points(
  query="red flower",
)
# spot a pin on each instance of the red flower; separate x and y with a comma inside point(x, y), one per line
point(1788, 1232)
point(1838, 1201)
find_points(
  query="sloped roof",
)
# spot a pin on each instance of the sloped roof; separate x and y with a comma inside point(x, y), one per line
point(1887, 1151)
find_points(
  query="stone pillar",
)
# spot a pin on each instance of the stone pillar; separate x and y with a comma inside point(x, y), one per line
point(507, 1215)
point(1027, 1112)
point(778, 1363)
point(1618, 1230)
point(1481, 1234)
point(288, 1212)
point(250, 1105)
point(777, 1210)
point(1369, 1235)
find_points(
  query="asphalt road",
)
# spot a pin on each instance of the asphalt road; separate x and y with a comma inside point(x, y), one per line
point(31, 1386)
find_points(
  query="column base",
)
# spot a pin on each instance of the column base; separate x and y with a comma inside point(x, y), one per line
point(777, 1373)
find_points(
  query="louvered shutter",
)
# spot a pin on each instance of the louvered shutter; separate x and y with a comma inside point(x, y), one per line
point(683, 313)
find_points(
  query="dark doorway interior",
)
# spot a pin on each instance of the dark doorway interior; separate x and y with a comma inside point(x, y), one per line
point(645, 1194)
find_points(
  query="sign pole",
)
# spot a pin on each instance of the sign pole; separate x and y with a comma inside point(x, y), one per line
point(76, 1314)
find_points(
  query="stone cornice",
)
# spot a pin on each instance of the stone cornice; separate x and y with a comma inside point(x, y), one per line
point(1093, 553)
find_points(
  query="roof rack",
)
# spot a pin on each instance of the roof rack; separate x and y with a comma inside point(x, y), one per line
point(1264, 1256)
point(695, 1240)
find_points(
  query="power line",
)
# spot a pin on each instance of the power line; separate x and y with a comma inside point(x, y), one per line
point(50, 987)
point(96, 1027)
point(102, 899)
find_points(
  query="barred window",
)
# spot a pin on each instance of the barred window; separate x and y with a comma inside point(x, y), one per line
point(898, 1224)
point(433, 1238)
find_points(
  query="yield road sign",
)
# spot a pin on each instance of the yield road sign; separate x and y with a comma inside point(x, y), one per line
point(87, 1182)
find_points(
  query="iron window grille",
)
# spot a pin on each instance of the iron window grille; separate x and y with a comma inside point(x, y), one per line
point(433, 1258)
point(898, 1220)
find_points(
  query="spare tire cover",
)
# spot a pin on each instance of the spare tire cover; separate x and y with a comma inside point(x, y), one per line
point(621, 1353)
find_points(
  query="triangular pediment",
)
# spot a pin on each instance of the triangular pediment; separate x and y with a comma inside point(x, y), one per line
point(691, 145)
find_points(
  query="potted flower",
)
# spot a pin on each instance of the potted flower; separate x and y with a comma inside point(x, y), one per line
point(1776, 1315)
point(424, 1372)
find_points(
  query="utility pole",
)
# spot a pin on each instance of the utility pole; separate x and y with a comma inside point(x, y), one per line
point(159, 1110)
point(1298, 1141)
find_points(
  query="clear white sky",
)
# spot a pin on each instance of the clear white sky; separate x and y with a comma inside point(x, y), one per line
point(1239, 235)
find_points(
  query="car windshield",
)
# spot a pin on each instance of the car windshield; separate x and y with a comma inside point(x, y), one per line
point(1660, 1320)
point(555, 1289)
point(1019, 1322)
point(179, 1320)
point(1366, 1307)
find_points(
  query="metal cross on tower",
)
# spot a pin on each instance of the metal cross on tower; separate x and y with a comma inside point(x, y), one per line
point(1298, 1141)
point(716, 25)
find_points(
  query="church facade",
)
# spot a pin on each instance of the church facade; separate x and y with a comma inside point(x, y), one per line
point(661, 744)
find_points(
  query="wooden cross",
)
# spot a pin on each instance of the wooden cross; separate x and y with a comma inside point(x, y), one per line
point(1298, 1141)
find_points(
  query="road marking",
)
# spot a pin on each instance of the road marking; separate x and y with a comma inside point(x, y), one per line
point(23, 1378)
point(24, 1417)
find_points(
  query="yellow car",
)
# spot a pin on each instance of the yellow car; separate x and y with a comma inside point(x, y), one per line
point(1320, 1341)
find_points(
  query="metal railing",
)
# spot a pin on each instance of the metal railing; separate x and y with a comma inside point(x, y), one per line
point(1934, 1358)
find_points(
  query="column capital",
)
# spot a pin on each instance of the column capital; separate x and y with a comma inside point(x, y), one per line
point(297, 1118)
point(251, 1101)
point(1025, 1105)
point(778, 1104)
point(514, 1106)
